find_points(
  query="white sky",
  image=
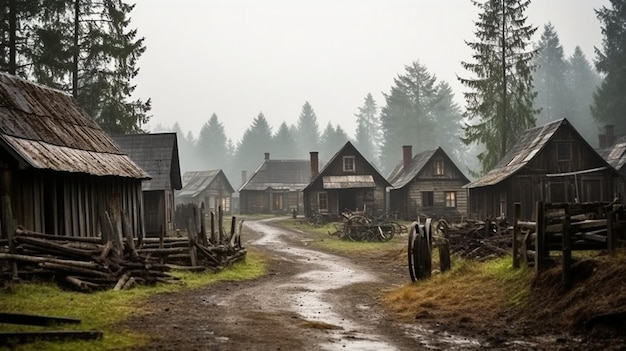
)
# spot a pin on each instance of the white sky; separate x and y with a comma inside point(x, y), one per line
point(237, 58)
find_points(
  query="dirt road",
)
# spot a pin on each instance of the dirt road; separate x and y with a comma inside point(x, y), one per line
point(310, 300)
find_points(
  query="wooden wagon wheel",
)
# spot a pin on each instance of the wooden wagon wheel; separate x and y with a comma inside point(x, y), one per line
point(413, 233)
point(419, 251)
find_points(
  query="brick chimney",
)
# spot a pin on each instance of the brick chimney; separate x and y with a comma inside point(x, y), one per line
point(315, 167)
point(602, 141)
point(610, 136)
point(407, 155)
point(267, 156)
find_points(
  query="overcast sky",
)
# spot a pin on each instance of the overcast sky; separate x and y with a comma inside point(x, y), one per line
point(237, 58)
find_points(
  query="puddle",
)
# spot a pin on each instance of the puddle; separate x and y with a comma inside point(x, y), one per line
point(309, 295)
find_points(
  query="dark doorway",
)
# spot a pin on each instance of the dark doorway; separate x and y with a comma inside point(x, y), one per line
point(347, 199)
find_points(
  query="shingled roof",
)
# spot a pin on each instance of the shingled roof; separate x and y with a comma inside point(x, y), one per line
point(529, 144)
point(401, 176)
point(290, 175)
point(156, 154)
point(194, 182)
point(615, 155)
point(44, 128)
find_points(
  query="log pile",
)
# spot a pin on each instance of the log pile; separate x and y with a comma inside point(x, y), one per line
point(480, 240)
point(115, 260)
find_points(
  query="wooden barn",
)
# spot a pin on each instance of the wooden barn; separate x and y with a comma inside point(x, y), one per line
point(427, 184)
point(275, 187)
point(347, 181)
point(60, 170)
point(157, 154)
point(207, 189)
point(552, 163)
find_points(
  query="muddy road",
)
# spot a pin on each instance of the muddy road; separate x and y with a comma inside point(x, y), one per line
point(310, 300)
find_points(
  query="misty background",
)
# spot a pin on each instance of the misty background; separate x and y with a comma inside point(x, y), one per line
point(236, 79)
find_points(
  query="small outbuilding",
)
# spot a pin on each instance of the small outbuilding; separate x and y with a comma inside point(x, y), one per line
point(59, 169)
point(347, 181)
point(275, 187)
point(207, 189)
point(428, 184)
point(157, 154)
point(550, 163)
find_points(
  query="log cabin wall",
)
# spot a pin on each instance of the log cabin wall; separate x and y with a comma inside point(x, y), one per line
point(70, 204)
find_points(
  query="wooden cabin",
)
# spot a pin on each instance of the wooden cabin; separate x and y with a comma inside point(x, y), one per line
point(551, 163)
point(347, 181)
point(428, 184)
point(157, 154)
point(207, 189)
point(60, 170)
point(613, 150)
point(275, 187)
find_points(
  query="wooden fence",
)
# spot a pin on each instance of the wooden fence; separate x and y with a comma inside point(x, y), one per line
point(566, 227)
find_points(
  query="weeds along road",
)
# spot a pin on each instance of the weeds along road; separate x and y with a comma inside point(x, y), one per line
point(310, 300)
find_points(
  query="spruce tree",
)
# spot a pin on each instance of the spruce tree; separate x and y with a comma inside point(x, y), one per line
point(609, 102)
point(499, 103)
point(284, 145)
point(211, 147)
point(582, 81)
point(368, 129)
point(553, 96)
point(308, 133)
point(256, 141)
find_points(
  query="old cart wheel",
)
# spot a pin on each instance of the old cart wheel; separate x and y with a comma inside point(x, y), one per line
point(426, 249)
point(385, 232)
point(411, 242)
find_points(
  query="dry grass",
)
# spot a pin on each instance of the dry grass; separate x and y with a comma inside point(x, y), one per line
point(490, 288)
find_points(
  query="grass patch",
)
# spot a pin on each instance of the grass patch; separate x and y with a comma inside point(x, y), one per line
point(106, 310)
point(322, 238)
point(490, 287)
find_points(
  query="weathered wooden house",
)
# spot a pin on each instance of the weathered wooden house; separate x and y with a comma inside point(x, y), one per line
point(157, 154)
point(551, 163)
point(60, 170)
point(428, 184)
point(207, 189)
point(347, 181)
point(275, 187)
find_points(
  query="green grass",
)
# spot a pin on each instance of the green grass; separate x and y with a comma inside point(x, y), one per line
point(106, 310)
point(322, 238)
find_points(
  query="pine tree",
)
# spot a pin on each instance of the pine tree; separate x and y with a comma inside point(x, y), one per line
point(211, 148)
point(499, 104)
point(331, 141)
point(16, 22)
point(449, 118)
point(284, 145)
point(553, 96)
point(308, 133)
point(609, 102)
point(582, 81)
point(86, 47)
point(256, 141)
point(408, 117)
point(368, 133)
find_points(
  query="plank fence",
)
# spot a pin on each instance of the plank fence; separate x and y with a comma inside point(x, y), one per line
point(564, 228)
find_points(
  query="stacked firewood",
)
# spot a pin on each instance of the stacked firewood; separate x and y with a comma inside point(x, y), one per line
point(80, 263)
point(480, 240)
point(116, 260)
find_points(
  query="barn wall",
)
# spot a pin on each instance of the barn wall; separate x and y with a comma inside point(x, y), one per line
point(71, 204)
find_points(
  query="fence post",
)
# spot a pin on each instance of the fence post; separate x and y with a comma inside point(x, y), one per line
point(517, 210)
point(540, 249)
point(567, 250)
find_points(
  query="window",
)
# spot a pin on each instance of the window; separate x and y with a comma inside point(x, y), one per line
point(348, 164)
point(438, 167)
point(564, 151)
point(428, 199)
point(225, 203)
point(322, 202)
point(450, 197)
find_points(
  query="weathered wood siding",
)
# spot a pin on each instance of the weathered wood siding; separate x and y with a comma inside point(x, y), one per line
point(262, 202)
point(71, 204)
